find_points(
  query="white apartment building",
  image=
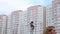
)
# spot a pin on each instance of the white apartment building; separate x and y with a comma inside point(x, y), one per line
point(37, 15)
point(56, 14)
point(3, 24)
point(9, 25)
point(17, 23)
point(23, 27)
point(49, 16)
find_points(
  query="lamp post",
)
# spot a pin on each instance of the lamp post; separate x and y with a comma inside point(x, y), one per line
point(32, 27)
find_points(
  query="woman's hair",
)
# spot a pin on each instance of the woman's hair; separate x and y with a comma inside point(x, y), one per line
point(48, 29)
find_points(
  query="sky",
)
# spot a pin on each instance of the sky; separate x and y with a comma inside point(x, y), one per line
point(8, 6)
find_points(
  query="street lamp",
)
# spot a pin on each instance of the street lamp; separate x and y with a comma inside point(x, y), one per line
point(32, 27)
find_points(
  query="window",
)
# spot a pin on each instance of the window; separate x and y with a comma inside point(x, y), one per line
point(58, 21)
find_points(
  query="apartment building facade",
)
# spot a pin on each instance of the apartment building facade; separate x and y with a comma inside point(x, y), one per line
point(3, 24)
point(49, 16)
point(37, 15)
point(56, 14)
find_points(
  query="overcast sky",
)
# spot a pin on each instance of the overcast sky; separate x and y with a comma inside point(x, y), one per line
point(7, 6)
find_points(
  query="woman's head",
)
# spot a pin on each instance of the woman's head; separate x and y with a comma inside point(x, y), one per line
point(49, 30)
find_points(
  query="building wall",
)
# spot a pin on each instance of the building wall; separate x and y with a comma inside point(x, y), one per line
point(15, 21)
point(3, 24)
point(44, 18)
point(9, 25)
point(23, 26)
point(35, 14)
point(49, 16)
point(56, 14)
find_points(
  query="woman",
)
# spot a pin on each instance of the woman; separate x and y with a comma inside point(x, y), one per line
point(49, 30)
